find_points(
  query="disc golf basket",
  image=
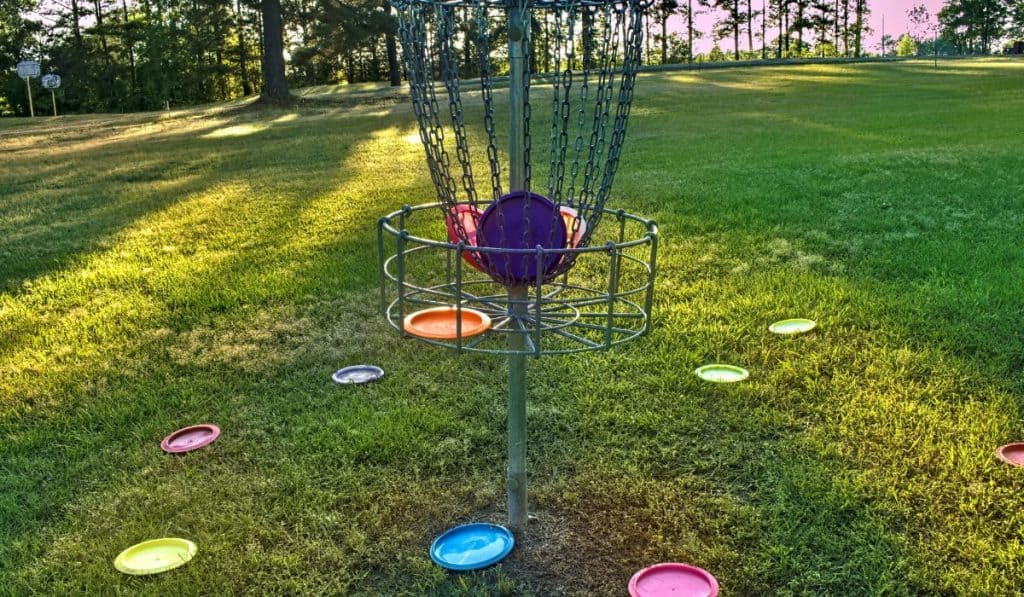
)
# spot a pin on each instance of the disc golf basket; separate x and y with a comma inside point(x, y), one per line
point(516, 256)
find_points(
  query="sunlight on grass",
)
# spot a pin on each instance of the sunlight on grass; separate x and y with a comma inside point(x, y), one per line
point(239, 130)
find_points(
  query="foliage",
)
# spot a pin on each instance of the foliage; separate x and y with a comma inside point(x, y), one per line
point(974, 25)
point(906, 46)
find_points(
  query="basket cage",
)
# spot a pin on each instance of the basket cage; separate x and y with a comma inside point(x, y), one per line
point(605, 300)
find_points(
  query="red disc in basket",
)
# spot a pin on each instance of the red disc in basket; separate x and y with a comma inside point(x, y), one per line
point(571, 217)
point(467, 215)
point(1012, 454)
point(673, 580)
point(190, 438)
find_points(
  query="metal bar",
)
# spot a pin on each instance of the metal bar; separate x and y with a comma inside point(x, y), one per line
point(518, 32)
point(458, 293)
point(382, 269)
point(576, 338)
point(653, 267)
point(28, 89)
point(613, 287)
point(400, 253)
point(516, 473)
point(537, 303)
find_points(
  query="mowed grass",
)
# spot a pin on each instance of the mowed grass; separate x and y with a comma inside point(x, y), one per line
point(217, 266)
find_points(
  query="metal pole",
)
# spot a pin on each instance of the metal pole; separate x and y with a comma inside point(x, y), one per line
point(516, 473)
point(53, 98)
point(28, 89)
point(518, 32)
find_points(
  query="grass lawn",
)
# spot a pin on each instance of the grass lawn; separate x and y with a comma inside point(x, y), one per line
point(216, 265)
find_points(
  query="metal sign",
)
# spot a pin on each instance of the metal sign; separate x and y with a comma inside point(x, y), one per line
point(51, 81)
point(28, 68)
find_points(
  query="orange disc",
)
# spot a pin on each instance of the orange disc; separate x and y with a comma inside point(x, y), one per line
point(440, 323)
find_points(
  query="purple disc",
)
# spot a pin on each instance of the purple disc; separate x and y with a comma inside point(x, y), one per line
point(520, 220)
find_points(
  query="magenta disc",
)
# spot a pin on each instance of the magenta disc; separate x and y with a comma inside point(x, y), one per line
point(190, 438)
point(673, 580)
point(1012, 454)
point(520, 220)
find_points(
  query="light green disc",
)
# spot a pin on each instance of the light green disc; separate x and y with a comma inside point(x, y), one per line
point(156, 555)
point(722, 373)
point(789, 327)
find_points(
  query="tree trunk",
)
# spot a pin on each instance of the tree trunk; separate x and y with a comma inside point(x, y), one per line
point(750, 25)
point(664, 36)
point(394, 71)
point(588, 38)
point(130, 43)
point(786, 17)
point(736, 27)
point(103, 35)
point(858, 24)
point(243, 57)
point(647, 39)
point(75, 28)
point(764, 29)
point(800, 28)
point(689, 31)
point(781, 34)
point(275, 86)
point(846, 28)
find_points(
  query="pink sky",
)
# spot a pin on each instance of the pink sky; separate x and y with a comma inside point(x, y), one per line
point(894, 12)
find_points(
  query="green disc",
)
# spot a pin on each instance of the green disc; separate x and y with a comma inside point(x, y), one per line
point(722, 373)
point(789, 327)
point(156, 555)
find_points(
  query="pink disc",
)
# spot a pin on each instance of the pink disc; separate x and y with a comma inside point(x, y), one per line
point(467, 215)
point(190, 438)
point(573, 220)
point(1012, 454)
point(673, 580)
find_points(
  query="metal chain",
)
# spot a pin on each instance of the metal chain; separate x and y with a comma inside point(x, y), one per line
point(414, 38)
point(486, 91)
point(630, 66)
point(450, 76)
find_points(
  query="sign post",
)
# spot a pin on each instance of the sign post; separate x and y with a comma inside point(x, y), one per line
point(52, 82)
point(26, 70)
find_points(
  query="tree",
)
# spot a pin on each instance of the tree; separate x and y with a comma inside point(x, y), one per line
point(860, 27)
point(801, 22)
point(730, 22)
point(690, 32)
point(923, 28)
point(275, 86)
point(973, 25)
point(1015, 24)
point(906, 46)
point(17, 42)
point(823, 22)
point(662, 11)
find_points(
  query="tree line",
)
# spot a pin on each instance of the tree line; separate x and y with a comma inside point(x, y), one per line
point(130, 55)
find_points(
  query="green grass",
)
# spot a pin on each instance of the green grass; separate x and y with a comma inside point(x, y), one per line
point(218, 265)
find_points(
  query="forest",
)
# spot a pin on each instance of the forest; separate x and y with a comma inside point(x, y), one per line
point(135, 55)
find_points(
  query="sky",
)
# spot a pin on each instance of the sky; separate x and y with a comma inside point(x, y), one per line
point(894, 13)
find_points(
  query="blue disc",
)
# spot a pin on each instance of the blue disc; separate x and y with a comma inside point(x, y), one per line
point(472, 546)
